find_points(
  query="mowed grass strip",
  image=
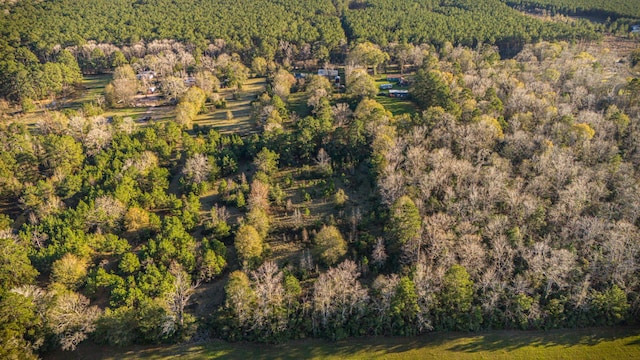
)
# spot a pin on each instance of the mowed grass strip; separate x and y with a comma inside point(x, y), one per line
point(397, 106)
point(596, 343)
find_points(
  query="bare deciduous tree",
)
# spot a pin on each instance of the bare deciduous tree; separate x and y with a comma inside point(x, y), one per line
point(178, 298)
point(268, 314)
point(338, 295)
point(197, 169)
point(72, 319)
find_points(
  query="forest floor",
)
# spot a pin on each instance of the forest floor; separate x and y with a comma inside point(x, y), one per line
point(592, 343)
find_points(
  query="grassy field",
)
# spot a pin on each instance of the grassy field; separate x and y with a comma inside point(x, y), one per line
point(93, 86)
point(395, 105)
point(298, 103)
point(598, 343)
point(241, 122)
point(153, 107)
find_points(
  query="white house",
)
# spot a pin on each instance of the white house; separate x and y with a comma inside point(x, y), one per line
point(146, 75)
point(328, 73)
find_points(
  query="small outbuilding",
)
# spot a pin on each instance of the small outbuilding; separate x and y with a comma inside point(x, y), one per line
point(399, 79)
point(328, 73)
point(401, 94)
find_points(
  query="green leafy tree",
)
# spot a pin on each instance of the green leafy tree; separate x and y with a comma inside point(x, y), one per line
point(259, 66)
point(368, 55)
point(118, 59)
point(15, 266)
point(234, 73)
point(267, 161)
point(404, 307)
point(71, 74)
point(61, 153)
point(240, 300)
point(430, 88)
point(249, 246)
point(212, 264)
point(330, 246)
point(173, 243)
point(405, 222)
point(360, 84)
point(610, 307)
point(21, 327)
point(129, 263)
point(259, 219)
point(455, 299)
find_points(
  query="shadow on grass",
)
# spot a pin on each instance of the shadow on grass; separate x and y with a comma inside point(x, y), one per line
point(435, 345)
point(635, 342)
point(316, 349)
point(513, 340)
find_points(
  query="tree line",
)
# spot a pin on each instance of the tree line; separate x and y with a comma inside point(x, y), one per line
point(282, 31)
point(614, 9)
point(458, 21)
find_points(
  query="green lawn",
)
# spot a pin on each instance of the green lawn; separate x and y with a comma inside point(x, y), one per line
point(397, 106)
point(394, 105)
point(598, 343)
point(92, 86)
point(298, 103)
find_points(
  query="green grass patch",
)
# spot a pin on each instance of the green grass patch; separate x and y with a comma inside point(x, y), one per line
point(156, 113)
point(298, 104)
point(397, 106)
point(394, 105)
point(92, 87)
point(240, 108)
point(597, 343)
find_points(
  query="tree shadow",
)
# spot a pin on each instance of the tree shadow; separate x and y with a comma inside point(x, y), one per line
point(364, 347)
point(633, 342)
point(319, 349)
point(513, 340)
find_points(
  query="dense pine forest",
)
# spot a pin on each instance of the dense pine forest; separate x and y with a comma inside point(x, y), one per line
point(465, 166)
point(34, 32)
point(613, 8)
